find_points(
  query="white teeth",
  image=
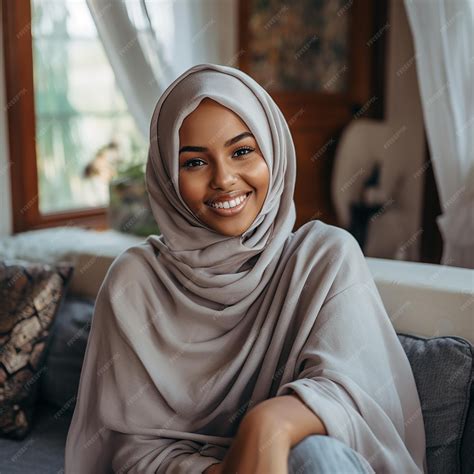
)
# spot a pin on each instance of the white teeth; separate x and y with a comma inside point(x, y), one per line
point(229, 204)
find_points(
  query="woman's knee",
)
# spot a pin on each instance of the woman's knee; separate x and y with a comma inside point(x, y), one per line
point(323, 454)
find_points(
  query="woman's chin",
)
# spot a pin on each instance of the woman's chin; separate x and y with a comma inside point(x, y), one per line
point(228, 228)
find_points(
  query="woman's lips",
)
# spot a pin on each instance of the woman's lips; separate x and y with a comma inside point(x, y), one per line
point(231, 211)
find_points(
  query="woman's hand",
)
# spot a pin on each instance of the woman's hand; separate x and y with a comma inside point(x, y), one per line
point(260, 446)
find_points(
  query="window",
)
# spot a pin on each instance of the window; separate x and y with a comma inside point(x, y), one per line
point(68, 122)
point(78, 106)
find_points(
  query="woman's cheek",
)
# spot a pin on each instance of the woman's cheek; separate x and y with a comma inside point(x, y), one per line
point(259, 175)
point(190, 191)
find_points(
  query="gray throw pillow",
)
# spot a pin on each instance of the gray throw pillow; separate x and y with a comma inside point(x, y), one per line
point(443, 371)
point(66, 351)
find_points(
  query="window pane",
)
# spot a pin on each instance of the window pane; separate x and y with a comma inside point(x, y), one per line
point(80, 110)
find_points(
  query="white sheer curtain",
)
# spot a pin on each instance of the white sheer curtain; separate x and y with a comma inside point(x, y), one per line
point(150, 42)
point(443, 33)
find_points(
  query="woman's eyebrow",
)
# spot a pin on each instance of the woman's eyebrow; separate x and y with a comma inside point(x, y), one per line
point(226, 144)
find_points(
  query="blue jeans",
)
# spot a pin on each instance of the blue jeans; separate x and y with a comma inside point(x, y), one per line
point(318, 454)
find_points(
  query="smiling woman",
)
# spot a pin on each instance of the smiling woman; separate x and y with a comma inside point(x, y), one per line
point(224, 178)
point(221, 344)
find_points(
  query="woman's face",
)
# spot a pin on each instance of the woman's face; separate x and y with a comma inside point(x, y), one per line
point(223, 177)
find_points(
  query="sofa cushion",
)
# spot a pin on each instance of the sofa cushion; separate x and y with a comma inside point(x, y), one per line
point(31, 294)
point(443, 371)
point(66, 351)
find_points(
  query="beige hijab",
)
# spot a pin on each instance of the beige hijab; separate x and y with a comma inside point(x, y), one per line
point(192, 328)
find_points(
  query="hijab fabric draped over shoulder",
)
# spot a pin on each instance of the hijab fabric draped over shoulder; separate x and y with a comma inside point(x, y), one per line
point(192, 328)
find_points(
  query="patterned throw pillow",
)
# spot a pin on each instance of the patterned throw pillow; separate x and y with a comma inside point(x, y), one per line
point(30, 295)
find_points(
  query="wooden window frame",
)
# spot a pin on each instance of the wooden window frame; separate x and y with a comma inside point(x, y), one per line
point(20, 108)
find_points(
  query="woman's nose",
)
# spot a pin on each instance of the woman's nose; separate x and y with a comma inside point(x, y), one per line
point(223, 174)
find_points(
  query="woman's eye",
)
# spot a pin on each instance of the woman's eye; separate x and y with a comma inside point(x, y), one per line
point(187, 164)
point(246, 149)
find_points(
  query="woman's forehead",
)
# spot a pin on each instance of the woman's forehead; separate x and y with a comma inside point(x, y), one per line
point(212, 122)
